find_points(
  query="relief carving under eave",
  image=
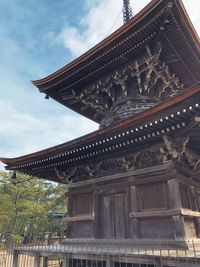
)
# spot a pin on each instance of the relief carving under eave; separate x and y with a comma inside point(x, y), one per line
point(147, 78)
point(129, 161)
point(177, 149)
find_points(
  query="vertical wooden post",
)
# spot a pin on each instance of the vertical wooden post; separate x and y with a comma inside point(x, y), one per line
point(45, 261)
point(109, 262)
point(175, 203)
point(134, 208)
point(15, 258)
point(70, 203)
point(66, 260)
point(95, 211)
point(196, 208)
point(174, 194)
point(37, 260)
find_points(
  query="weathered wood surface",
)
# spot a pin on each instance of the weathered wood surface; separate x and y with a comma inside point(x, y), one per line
point(81, 218)
point(37, 260)
point(15, 258)
point(128, 254)
point(165, 213)
point(66, 260)
point(134, 209)
point(148, 203)
point(131, 174)
point(175, 203)
point(113, 215)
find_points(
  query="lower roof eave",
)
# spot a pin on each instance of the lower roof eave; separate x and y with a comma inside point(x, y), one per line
point(108, 140)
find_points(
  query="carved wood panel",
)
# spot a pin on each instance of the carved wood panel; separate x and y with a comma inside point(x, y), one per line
point(126, 162)
point(146, 78)
point(177, 148)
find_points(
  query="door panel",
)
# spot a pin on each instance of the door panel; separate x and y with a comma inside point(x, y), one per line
point(119, 218)
point(112, 216)
point(106, 217)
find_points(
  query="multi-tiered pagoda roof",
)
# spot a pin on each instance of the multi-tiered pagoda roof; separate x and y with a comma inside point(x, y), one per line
point(140, 84)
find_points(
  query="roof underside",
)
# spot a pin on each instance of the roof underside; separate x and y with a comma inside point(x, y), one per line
point(181, 52)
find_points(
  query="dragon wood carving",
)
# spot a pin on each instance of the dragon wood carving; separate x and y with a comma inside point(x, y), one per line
point(177, 150)
point(129, 161)
point(145, 78)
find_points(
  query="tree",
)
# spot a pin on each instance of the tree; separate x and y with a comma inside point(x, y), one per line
point(25, 206)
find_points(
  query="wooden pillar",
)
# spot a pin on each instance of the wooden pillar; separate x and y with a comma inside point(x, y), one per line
point(175, 203)
point(196, 208)
point(15, 258)
point(109, 262)
point(95, 211)
point(45, 261)
point(134, 208)
point(37, 260)
point(66, 260)
point(70, 214)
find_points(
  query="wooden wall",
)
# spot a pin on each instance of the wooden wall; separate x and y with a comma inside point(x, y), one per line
point(134, 208)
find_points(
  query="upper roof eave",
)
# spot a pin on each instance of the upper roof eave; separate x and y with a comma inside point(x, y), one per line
point(115, 35)
point(100, 46)
point(188, 23)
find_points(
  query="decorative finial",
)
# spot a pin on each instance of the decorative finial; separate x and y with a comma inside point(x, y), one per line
point(127, 10)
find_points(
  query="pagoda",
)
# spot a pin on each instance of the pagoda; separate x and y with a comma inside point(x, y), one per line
point(138, 176)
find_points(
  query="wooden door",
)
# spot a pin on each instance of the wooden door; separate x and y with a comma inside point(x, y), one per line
point(119, 215)
point(106, 217)
point(112, 216)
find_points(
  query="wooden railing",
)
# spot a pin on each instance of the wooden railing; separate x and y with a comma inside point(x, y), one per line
point(99, 253)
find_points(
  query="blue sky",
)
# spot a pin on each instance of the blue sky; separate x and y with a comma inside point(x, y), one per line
point(36, 38)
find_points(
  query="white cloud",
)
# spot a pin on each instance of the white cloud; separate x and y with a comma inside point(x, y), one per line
point(193, 9)
point(29, 133)
point(92, 28)
point(99, 20)
point(28, 123)
point(22, 133)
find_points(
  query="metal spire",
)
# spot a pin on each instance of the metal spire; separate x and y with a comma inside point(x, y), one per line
point(127, 10)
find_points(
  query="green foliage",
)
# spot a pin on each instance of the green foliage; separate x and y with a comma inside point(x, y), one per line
point(25, 206)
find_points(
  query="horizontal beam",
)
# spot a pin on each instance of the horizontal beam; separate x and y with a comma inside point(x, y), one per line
point(164, 213)
point(80, 218)
point(146, 171)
